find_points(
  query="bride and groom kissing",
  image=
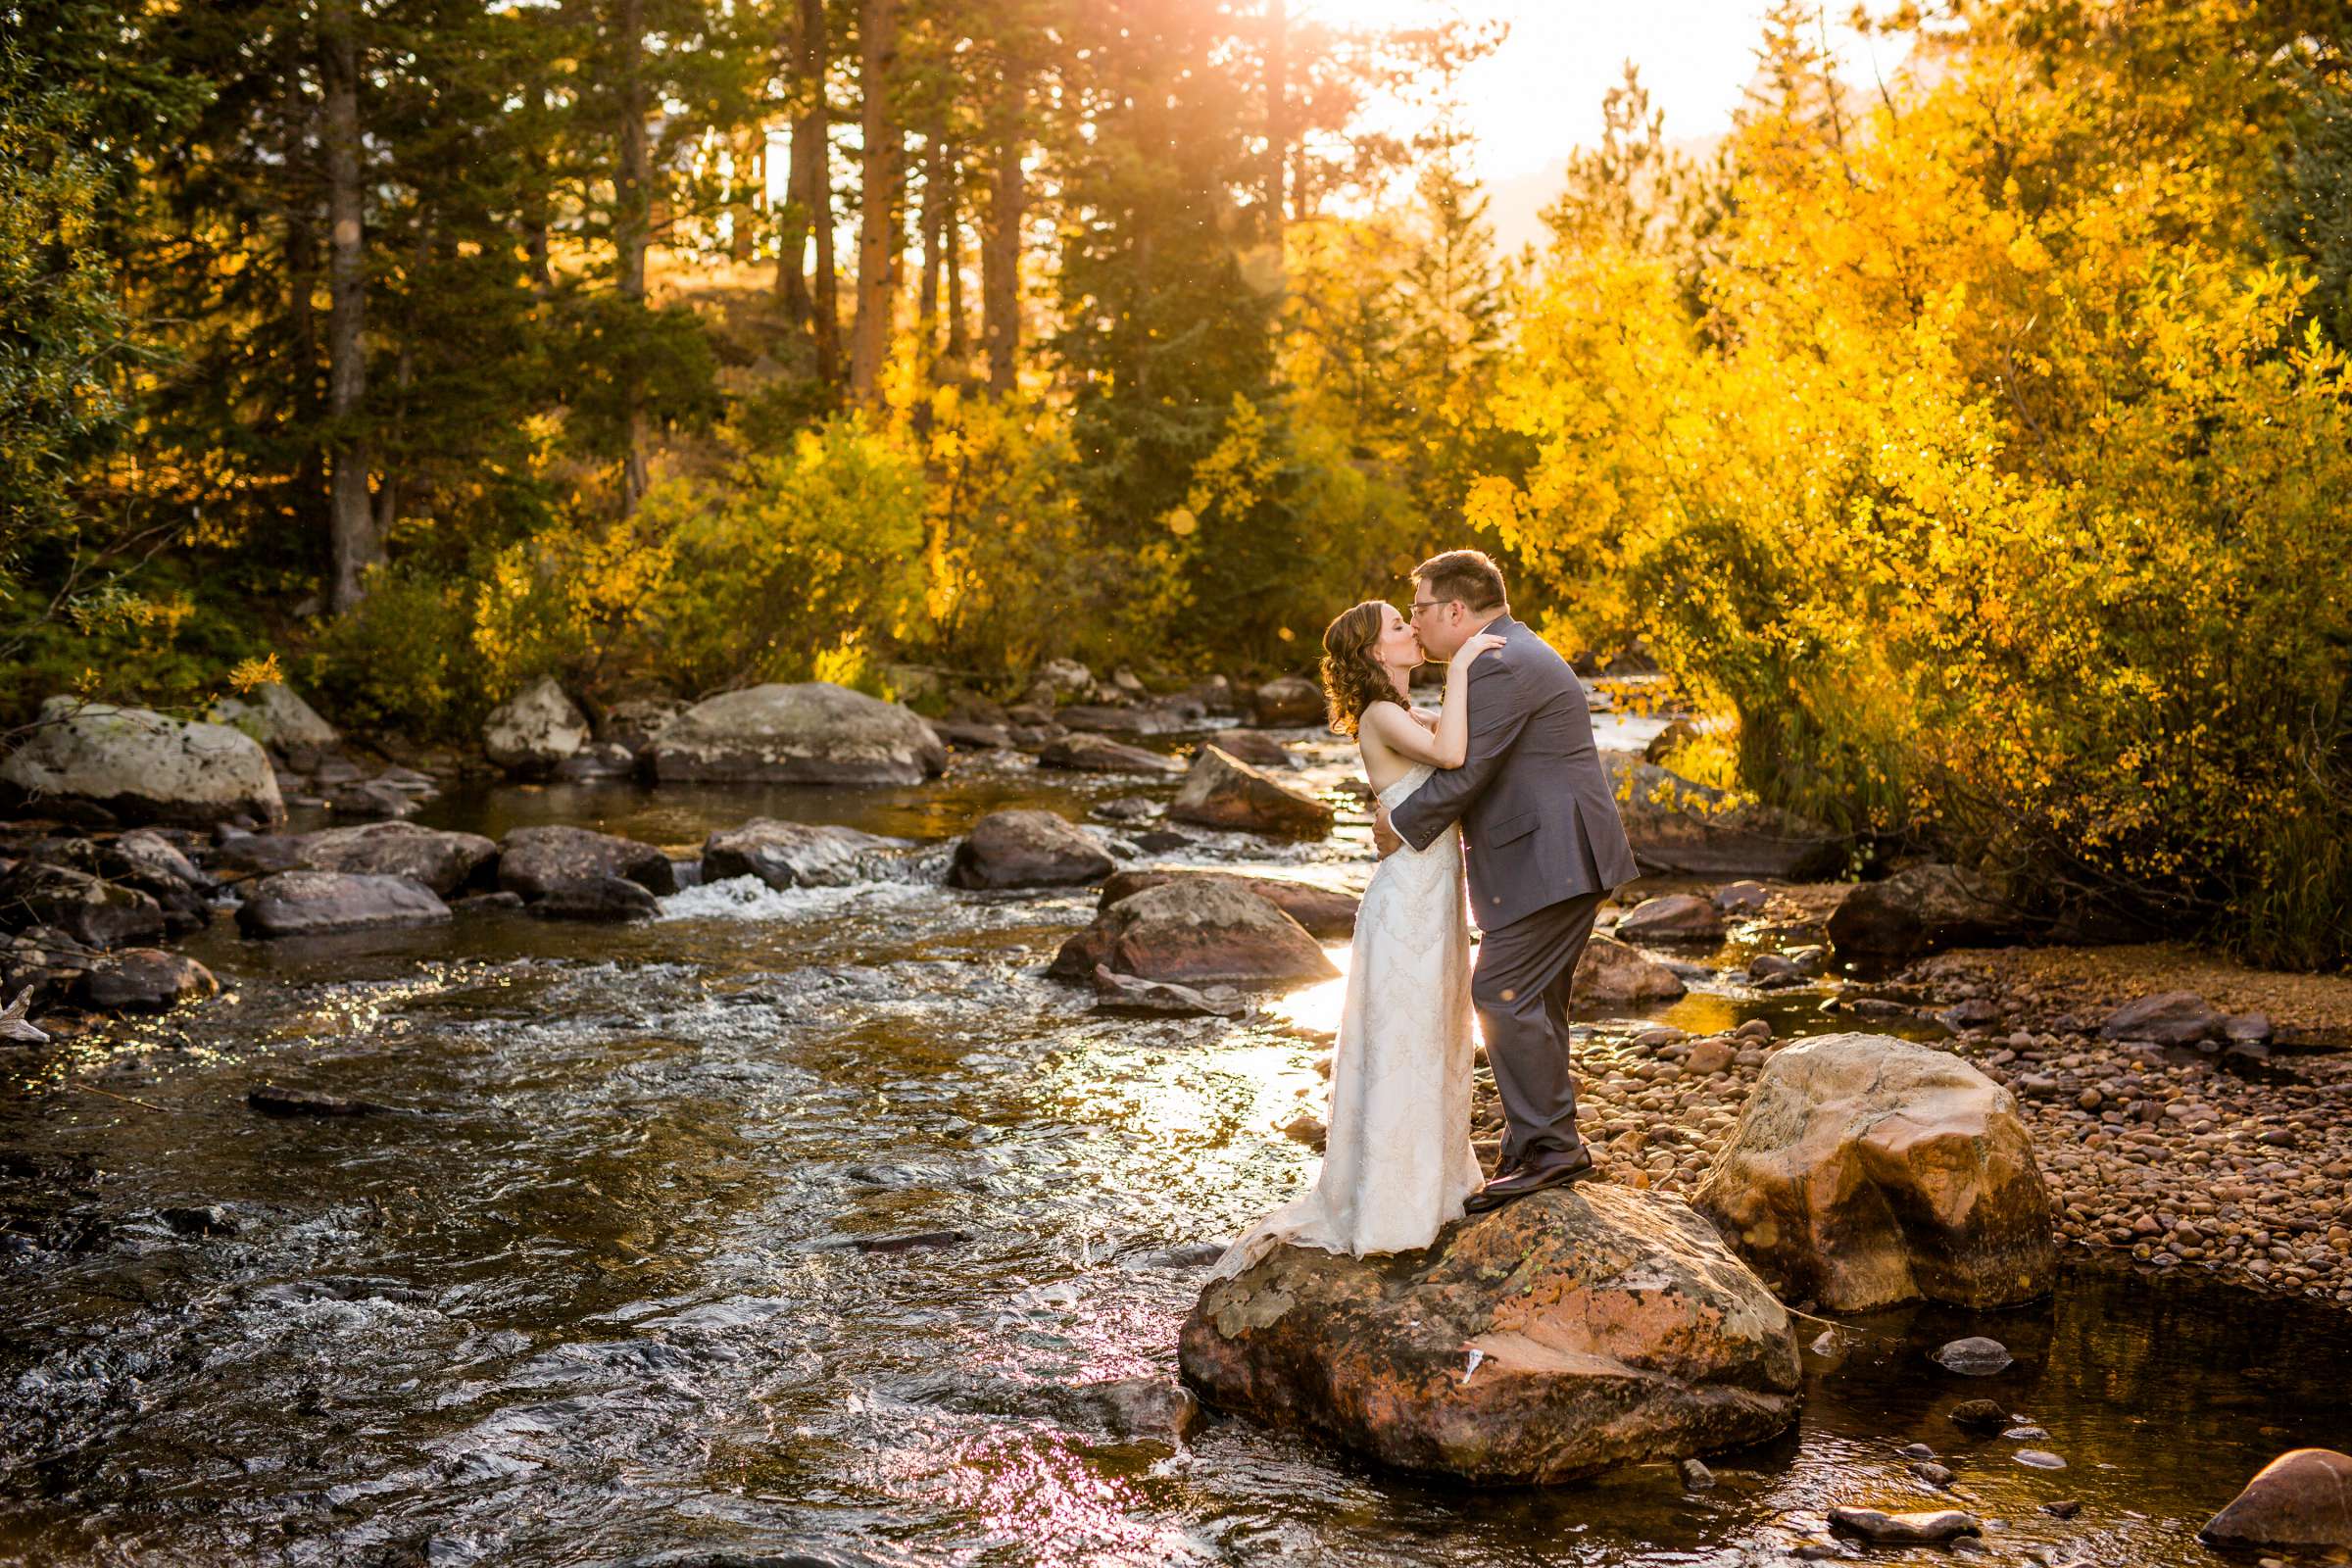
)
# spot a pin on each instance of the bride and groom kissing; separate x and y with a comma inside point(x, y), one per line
point(1506, 777)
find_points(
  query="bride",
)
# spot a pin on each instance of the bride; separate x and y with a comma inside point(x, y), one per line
point(1396, 1162)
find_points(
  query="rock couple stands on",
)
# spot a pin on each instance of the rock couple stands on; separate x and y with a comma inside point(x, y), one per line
point(1600, 1325)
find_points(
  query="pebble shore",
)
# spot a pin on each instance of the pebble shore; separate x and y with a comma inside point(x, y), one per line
point(2235, 1163)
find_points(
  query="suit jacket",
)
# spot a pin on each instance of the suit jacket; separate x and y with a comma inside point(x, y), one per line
point(1538, 817)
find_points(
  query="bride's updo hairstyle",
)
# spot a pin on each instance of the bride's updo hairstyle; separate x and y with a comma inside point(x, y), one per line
point(1354, 679)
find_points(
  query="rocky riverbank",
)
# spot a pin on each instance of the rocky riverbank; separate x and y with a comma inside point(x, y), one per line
point(2233, 1158)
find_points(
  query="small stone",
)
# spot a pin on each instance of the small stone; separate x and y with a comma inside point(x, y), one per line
point(272, 1100)
point(1933, 1474)
point(1977, 1413)
point(1916, 1450)
point(1903, 1529)
point(2063, 1508)
point(1696, 1477)
point(209, 1220)
point(2025, 1434)
point(1975, 1357)
point(2038, 1460)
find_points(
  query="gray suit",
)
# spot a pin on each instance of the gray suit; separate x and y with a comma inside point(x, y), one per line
point(1545, 847)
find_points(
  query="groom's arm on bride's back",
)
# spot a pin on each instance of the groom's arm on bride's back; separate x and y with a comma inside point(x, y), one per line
point(1496, 716)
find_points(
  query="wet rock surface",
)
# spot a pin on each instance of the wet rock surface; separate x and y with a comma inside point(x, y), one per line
point(1092, 754)
point(1569, 1333)
point(1324, 913)
point(444, 861)
point(794, 854)
point(1195, 931)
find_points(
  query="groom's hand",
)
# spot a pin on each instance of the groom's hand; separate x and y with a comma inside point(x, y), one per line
point(1384, 837)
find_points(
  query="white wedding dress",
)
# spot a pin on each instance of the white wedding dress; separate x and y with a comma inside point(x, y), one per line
point(1397, 1160)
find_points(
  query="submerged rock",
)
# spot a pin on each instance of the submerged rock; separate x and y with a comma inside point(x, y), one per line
point(302, 904)
point(1195, 932)
point(1027, 850)
point(608, 900)
point(1903, 1529)
point(794, 854)
point(1867, 1171)
point(2301, 1499)
point(1975, 1357)
point(140, 766)
point(272, 1100)
point(1323, 911)
point(536, 729)
point(1223, 791)
point(1922, 909)
point(1570, 1332)
point(442, 861)
point(1136, 1407)
point(1125, 995)
point(812, 733)
point(1977, 1414)
point(534, 861)
point(1091, 754)
point(145, 980)
point(1613, 975)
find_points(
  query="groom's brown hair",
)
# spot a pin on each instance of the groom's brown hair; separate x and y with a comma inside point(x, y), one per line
point(1469, 575)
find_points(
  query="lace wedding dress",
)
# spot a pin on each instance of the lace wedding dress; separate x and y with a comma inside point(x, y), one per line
point(1396, 1160)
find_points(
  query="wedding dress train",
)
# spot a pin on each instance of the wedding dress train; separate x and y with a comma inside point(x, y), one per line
point(1396, 1160)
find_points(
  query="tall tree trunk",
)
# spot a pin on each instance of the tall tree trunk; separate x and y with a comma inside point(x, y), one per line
point(1278, 119)
point(632, 235)
point(812, 188)
point(939, 171)
point(805, 50)
point(878, 200)
point(352, 528)
point(1000, 238)
point(960, 336)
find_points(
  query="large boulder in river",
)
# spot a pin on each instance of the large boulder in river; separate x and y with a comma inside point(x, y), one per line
point(795, 855)
point(2170, 1018)
point(1867, 1171)
point(1919, 909)
point(443, 861)
point(1614, 976)
point(1288, 700)
point(1255, 746)
point(1195, 932)
point(534, 861)
point(1682, 828)
point(1223, 791)
point(141, 767)
point(2301, 1499)
point(1324, 913)
point(813, 733)
point(1573, 1331)
point(89, 908)
point(309, 903)
point(282, 722)
point(537, 729)
point(1027, 850)
point(1091, 754)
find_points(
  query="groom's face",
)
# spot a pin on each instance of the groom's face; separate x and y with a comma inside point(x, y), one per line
point(1442, 624)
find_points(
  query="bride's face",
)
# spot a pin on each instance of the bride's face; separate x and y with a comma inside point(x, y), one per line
point(1398, 647)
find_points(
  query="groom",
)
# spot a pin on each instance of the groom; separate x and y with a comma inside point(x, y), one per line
point(1544, 848)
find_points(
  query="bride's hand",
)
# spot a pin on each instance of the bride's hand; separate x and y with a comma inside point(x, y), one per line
point(1485, 642)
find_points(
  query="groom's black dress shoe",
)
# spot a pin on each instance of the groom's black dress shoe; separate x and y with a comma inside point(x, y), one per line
point(1517, 1181)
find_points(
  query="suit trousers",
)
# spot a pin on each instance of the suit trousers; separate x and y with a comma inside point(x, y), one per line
point(1526, 971)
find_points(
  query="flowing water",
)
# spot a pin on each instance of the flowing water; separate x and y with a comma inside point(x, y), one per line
point(775, 1231)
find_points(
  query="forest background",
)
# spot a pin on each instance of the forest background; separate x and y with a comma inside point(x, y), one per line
point(1975, 447)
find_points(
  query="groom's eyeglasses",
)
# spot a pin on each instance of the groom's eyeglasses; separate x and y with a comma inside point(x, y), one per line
point(1419, 604)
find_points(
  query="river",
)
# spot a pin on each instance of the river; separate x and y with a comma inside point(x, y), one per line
point(772, 1231)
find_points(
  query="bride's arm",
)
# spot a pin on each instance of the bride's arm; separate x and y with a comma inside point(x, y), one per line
point(1401, 731)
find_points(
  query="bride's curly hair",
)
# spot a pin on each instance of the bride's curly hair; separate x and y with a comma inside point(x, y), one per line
point(1354, 679)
